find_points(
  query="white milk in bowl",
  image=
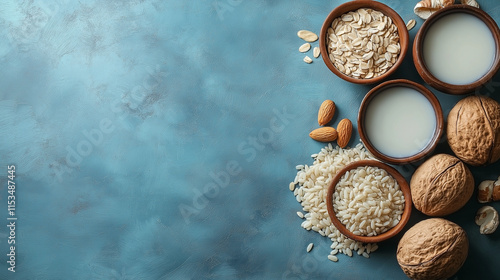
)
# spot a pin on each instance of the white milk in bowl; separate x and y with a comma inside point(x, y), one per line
point(459, 49)
point(399, 122)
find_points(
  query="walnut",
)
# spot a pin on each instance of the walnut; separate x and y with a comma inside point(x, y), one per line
point(487, 219)
point(472, 3)
point(433, 249)
point(426, 8)
point(488, 191)
point(474, 130)
point(441, 185)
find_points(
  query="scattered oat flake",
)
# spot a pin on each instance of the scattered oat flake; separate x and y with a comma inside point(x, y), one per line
point(308, 59)
point(316, 52)
point(307, 36)
point(305, 48)
point(411, 24)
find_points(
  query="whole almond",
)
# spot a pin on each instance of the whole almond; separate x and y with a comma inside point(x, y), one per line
point(344, 130)
point(326, 112)
point(324, 134)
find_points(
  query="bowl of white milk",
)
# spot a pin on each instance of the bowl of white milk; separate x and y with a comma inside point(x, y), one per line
point(457, 49)
point(400, 121)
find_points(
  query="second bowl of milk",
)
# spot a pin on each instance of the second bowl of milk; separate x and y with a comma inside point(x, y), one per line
point(457, 49)
point(400, 121)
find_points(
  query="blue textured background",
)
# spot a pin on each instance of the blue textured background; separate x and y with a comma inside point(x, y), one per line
point(199, 112)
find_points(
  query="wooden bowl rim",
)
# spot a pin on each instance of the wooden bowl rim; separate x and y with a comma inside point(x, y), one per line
point(418, 57)
point(437, 110)
point(403, 186)
point(404, 37)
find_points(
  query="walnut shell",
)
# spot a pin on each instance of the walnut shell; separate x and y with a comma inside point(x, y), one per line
point(426, 8)
point(441, 185)
point(474, 130)
point(433, 249)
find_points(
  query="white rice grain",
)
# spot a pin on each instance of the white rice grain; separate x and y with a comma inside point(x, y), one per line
point(310, 247)
point(313, 182)
point(333, 258)
point(367, 200)
point(349, 252)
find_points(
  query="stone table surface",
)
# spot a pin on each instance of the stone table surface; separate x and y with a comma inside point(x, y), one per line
point(156, 140)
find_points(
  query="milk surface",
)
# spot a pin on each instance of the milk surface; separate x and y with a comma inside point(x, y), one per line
point(459, 49)
point(400, 122)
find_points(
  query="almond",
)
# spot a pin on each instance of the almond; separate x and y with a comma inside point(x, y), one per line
point(326, 112)
point(344, 132)
point(324, 134)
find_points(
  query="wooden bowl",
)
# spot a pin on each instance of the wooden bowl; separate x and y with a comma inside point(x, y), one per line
point(403, 186)
point(418, 50)
point(352, 6)
point(437, 132)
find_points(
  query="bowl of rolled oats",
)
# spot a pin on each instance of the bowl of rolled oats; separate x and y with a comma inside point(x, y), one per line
point(363, 41)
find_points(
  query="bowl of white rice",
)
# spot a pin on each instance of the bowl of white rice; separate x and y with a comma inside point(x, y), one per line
point(369, 201)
